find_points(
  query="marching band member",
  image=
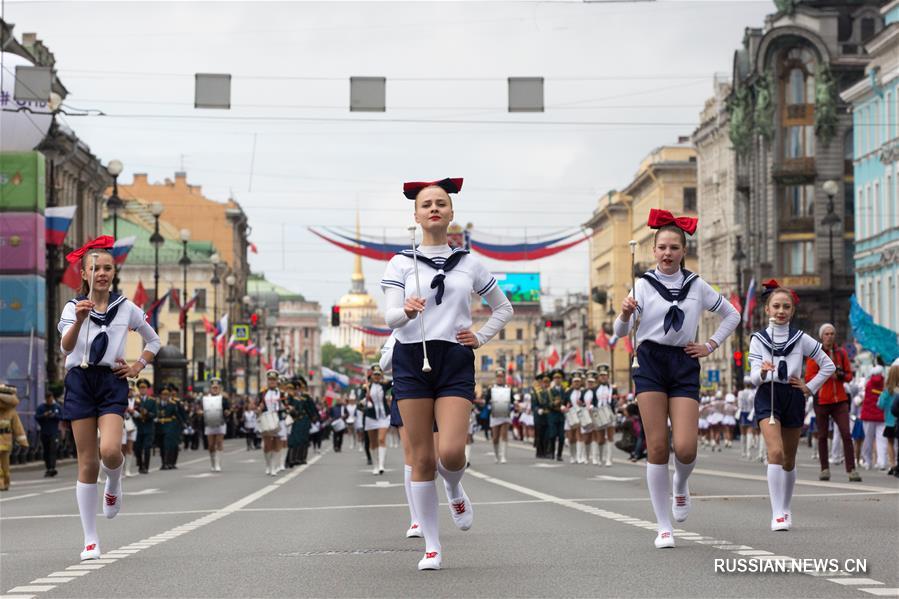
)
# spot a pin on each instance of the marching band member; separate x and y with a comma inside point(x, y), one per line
point(129, 433)
point(540, 407)
point(499, 398)
point(146, 426)
point(168, 420)
point(215, 409)
point(269, 409)
point(557, 423)
point(283, 430)
point(670, 301)
point(579, 432)
point(604, 404)
point(301, 408)
point(446, 392)
point(97, 392)
point(377, 415)
point(745, 400)
point(776, 356)
point(715, 418)
point(730, 420)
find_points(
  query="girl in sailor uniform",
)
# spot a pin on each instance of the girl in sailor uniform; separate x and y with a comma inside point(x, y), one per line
point(670, 301)
point(499, 398)
point(730, 418)
point(443, 394)
point(715, 418)
point(776, 356)
point(271, 400)
point(580, 435)
point(93, 329)
point(377, 415)
point(705, 408)
point(129, 431)
point(215, 410)
point(745, 401)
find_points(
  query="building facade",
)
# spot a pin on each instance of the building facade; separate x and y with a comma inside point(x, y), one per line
point(792, 134)
point(359, 310)
point(875, 108)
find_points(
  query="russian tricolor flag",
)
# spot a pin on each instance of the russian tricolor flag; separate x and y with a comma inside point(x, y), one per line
point(121, 248)
point(58, 220)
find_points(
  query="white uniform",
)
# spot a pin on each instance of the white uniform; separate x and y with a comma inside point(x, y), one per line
point(382, 415)
point(214, 415)
point(501, 403)
point(126, 435)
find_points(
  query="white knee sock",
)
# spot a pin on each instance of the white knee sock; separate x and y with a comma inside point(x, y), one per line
point(212, 459)
point(571, 450)
point(382, 454)
point(502, 449)
point(776, 482)
point(451, 478)
point(581, 456)
point(594, 452)
point(282, 459)
point(496, 450)
point(467, 453)
point(407, 479)
point(744, 445)
point(87, 497)
point(659, 485)
point(268, 461)
point(681, 474)
point(424, 502)
point(789, 483)
point(113, 478)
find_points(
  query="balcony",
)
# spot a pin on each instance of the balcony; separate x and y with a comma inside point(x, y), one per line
point(789, 223)
point(795, 171)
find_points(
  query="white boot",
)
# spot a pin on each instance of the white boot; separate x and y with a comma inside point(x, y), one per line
point(496, 451)
point(467, 454)
point(212, 461)
point(382, 455)
point(283, 460)
point(129, 461)
point(268, 463)
point(594, 453)
point(581, 452)
point(744, 446)
point(218, 461)
point(572, 458)
point(608, 447)
point(502, 451)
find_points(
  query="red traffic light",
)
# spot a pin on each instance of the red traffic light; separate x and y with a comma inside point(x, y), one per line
point(738, 359)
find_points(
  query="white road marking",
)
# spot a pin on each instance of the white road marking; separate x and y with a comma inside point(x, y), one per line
point(203, 475)
point(614, 478)
point(744, 550)
point(146, 492)
point(70, 573)
point(382, 484)
point(37, 588)
point(882, 592)
point(54, 580)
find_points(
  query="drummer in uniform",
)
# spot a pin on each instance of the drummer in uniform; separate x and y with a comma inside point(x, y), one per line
point(145, 419)
point(301, 408)
point(168, 419)
point(270, 411)
point(578, 419)
point(499, 398)
point(556, 420)
point(215, 410)
point(540, 404)
point(605, 398)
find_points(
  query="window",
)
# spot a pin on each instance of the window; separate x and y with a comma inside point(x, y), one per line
point(519, 334)
point(305, 332)
point(199, 346)
point(888, 200)
point(502, 334)
point(798, 201)
point(799, 142)
point(798, 257)
point(859, 206)
point(873, 229)
point(889, 116)
point(689, 199)
point(175, 339)
point(891, 291)
point(878, 301)
point(796, 70)
point(485, 363)
point(868, 28)
point(201, 299)
point(306, 360)
point(876, 124)
point(175, 300)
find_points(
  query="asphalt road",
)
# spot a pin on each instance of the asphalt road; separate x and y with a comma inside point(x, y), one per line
point(541, 529)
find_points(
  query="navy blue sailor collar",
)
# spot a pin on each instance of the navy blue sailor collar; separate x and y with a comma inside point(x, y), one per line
point(674, 318)
point(440, 264)
point(112, 308)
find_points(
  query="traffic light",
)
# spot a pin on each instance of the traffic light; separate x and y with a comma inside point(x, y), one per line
point(335, 316)
point(254, 320)
point(550, 324)
point(738, 359)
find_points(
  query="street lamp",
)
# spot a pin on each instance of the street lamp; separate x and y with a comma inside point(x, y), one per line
point(184, 262)
point(831, 188)
point(248, 303)
point(215, 282)
point(156, 239)
point(114, 204)
point(739, 257)
point(610, 315)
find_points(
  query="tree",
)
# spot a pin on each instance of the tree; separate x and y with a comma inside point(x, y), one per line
point(334, 357)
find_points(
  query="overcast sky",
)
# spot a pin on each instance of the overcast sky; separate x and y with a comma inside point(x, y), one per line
point(315, 162)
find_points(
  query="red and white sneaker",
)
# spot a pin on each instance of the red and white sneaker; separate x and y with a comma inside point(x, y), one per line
point(414, 531)
point(91, 551)
point(431, 561)
point(664, 540)
point(680, 506)
point(780, 522)
point(462, 512)
point(789, 520)
point(112, 503)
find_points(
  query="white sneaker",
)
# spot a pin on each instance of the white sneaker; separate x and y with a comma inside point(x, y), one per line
point(780, 523)
point(414, 531)
point(664, 540)
point(462, 512)
point(375, 471)
point(431, 561)
point(112, 503)
point(609, 462)
point(680, 506)
point(91, 551)
point(502, 460)
point(789, 520)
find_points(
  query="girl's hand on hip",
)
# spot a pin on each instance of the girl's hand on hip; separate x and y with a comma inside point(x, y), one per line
point(467, 338)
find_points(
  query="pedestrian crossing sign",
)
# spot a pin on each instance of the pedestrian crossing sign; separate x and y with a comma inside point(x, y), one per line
point(240, 332)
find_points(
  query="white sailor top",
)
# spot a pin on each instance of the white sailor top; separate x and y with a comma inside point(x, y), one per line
point(108, 332)
point(448, 278)
point(670, 307)
point(787, 348)
point(377, 406)
point(746, 400)
point(603, 395)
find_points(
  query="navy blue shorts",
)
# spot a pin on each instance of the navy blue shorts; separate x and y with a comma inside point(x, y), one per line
point(395, 418)
point(92, 392)
point(744, 419)
point(666, 369)
point(452, 371)
point(789, 404)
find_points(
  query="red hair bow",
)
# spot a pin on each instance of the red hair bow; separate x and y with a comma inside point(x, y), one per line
point(660, 218)
point(411, 188)
point(103, 242)
point(771, 285)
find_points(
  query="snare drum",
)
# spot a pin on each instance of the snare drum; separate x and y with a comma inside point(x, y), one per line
point(583, 415)
point(501, 402)
point(268, 423)
point(571, 418)
point(603, 416)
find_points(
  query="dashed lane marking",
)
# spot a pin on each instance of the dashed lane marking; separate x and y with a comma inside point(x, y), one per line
point(232, 508)
point(882, 592)
point(683, 535)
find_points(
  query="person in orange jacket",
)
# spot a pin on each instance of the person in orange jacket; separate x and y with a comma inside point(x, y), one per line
point(11, 430)
point(833, 402)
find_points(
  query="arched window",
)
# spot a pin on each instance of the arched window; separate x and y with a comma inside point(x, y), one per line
point(796, 74)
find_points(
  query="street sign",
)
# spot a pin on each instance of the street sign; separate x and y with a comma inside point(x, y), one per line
point(714, 376)
point(240, 332)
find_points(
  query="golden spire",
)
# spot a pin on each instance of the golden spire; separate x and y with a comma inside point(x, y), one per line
point(357, 271)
